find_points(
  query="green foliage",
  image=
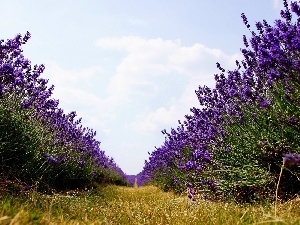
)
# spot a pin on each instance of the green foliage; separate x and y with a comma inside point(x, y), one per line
point(257, 147)
point(24, 143)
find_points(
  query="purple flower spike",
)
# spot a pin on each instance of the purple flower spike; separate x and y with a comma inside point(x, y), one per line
point(295, 8)
point(265, 104)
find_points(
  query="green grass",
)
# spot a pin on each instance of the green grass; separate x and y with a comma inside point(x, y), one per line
point(143, 205)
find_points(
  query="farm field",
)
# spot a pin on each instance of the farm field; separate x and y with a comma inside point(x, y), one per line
point(234, 159)
point(144, 205)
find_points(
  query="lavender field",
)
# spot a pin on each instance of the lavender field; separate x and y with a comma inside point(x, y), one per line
point(239, 145)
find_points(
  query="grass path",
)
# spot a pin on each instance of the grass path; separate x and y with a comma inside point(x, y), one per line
point(143, 205)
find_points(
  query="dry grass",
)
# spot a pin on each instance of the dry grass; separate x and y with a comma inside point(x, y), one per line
point(144, 205)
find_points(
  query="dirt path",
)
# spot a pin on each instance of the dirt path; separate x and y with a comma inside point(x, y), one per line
point(145, 205)
point(135, 183)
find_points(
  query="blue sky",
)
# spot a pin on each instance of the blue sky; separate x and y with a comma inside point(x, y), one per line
point(130, 68)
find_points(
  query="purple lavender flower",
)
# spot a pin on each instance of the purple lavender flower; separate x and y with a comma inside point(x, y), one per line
point(291, 160)
point(295, 8)
point(265, 104)
point(245, 20)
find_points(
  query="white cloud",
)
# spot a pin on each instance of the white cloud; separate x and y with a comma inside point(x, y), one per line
point(60, 76)
point(145, 77)
point(151, 88)
point(155, 120)
point(79, 89)
point(149, 59)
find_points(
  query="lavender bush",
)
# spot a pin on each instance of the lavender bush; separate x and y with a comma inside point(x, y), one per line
point(39, 142)
point(232, 146)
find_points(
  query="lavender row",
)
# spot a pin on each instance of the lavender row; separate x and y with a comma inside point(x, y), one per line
point(39, 141)
point(235, 142)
